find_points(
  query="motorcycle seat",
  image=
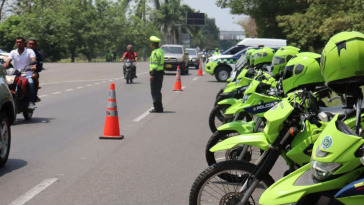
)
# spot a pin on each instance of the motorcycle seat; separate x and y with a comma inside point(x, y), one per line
point(332, 111)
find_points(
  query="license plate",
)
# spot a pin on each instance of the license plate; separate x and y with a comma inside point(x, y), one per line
point(168, 65)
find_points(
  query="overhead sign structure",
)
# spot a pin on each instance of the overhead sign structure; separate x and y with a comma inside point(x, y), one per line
point(196, 19)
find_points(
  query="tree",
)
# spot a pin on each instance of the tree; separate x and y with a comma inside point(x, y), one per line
point(249, 26)
point(264, 12)
point(311, 30)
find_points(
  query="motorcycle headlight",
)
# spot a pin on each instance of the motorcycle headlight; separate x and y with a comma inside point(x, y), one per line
point(10, 79)
point(323, 170)
point(245, 98)
point(127, 64)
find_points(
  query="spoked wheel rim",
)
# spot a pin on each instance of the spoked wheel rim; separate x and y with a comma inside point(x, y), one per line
point(223, 75)
point(4, 139)
point(220, 115)
point(217, 191)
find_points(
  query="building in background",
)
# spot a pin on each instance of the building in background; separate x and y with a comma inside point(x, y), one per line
point(232, 35)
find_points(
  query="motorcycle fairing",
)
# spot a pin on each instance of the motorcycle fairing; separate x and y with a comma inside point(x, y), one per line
point(293, 187)
point(352, 193)
point(254, 139)
point(229, 101)
point(240, 126)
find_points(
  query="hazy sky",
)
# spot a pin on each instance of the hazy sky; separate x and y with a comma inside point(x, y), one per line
point(224, 20)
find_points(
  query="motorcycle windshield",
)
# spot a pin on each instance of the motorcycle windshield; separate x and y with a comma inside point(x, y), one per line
point(277, 60)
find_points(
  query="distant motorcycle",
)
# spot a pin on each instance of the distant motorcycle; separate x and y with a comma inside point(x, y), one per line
point(203, 58)
point(129, 75)
point(18, 87)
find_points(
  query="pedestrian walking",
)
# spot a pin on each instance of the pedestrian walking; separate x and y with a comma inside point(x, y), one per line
point(156, 64)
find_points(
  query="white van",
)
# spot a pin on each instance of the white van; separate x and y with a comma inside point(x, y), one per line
point(263, 42)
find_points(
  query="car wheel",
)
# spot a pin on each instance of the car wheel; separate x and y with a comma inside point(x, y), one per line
point(222, 74)
point(5, 138)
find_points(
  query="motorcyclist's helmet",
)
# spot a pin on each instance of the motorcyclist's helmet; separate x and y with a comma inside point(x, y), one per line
point(281, 58)
point(303, 70)
point(216, 49)
point(129, 48)
point(342, 61)
point(263, 56)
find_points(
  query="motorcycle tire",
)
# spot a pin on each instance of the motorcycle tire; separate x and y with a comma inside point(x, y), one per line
point(28, 114)
point(203, 179)
point(217, 112)
point(5, 134)
point(251, 155)
point(218, 94)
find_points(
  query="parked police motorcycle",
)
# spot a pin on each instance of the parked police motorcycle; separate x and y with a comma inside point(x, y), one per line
point(18, 87)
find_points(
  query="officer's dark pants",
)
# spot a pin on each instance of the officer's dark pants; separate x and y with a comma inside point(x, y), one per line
point(156, 87)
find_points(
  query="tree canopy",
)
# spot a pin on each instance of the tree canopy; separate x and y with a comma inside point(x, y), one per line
point(92, 28)
point(307, 24)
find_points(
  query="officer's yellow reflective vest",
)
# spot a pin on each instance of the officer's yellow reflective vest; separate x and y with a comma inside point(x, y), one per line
point(157, 60)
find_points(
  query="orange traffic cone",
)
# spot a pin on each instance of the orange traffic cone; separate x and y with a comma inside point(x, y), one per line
point(200, 70)
point(178, 83)
point(111, 129)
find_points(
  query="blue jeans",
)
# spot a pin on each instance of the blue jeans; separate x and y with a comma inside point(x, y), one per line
point(31, 87)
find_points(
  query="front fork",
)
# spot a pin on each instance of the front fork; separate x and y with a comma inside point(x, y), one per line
point(245, 147)
point(270, 158)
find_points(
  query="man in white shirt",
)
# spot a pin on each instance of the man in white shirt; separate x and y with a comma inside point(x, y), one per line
point(21, 58)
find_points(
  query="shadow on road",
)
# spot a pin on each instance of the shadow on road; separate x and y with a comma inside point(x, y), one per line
point(12, 165)
point(167, 112)
point(215, 81)
point(32, 121)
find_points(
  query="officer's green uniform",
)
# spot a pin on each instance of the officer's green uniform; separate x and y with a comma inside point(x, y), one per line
point(216, 51)
point(157, 70)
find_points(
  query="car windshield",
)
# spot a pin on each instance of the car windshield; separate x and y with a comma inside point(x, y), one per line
point(177, 50)
point(191, 52)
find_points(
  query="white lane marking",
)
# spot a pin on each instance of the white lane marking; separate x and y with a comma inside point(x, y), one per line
point(56, 93)
point(204, 73)
point(111, 80)
point(221, 158)
point(141, 73)
point(79, 87)
point(77, 81)
point(43, 96)
point(97, 83)
point(142, 116)
point(195, 78)
point(89, 85)
point(69, 90)
point(183, 87)
point(33, 192)
point(104, 81)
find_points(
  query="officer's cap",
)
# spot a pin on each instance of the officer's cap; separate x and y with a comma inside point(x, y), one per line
point(155, 39)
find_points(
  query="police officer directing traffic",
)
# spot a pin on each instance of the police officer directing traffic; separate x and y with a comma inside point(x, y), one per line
point(156, 74)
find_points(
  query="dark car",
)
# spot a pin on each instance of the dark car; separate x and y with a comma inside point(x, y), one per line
point(7, 117)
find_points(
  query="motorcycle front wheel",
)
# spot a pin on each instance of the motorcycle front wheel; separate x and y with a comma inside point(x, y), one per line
point(210, 189)
point(28, 114)
point(252, 153)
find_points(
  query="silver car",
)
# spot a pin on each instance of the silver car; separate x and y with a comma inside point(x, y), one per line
point(194, 57)
point(174, 56)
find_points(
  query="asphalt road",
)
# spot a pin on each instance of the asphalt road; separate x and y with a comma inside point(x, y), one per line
point(58, 158)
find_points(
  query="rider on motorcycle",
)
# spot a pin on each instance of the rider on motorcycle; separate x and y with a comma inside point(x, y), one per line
point(22, 57)
point(32, 44)
point(129, 54)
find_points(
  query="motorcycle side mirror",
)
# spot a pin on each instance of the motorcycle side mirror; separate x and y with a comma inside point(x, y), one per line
point(33, 62)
